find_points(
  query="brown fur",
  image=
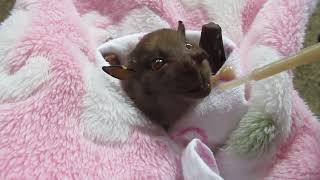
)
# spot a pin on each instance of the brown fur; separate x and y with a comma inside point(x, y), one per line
point(167, 94)
point(164, 94)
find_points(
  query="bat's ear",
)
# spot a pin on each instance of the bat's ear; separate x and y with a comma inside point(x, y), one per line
point(119, 72)
point(181, 28)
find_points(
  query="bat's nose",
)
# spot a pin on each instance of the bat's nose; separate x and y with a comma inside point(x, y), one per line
point(199, 57)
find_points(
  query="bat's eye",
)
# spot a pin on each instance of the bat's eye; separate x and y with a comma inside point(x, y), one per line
point(157, 64)
point(188, 45)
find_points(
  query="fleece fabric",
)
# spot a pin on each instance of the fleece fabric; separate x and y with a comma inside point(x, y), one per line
point(61, 117)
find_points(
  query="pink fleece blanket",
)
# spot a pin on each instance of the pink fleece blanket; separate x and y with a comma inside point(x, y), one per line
point(62, 118)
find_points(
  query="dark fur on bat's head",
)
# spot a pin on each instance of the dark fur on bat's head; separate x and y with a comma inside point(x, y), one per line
point(165, 75)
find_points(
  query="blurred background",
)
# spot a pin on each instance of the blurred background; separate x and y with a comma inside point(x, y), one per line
point(306, 80)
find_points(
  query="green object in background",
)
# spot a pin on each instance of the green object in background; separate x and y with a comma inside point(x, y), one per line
point(5, 8)
point(255, 135)
point(307, 77)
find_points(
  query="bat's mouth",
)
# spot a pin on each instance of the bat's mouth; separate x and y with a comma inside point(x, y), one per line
point(202, 90)
point(199, 92)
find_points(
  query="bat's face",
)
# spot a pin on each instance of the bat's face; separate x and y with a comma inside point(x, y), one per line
point(165, 63)
point(164, 75)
